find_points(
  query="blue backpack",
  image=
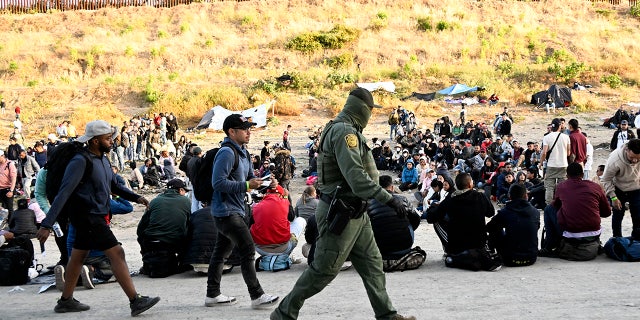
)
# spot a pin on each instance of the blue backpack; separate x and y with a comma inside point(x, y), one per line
point(274, 263)
point(623, 249)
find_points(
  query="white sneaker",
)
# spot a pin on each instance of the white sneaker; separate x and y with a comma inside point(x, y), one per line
point(59, 272)
point(220, 300)
point(346, 266)
point(86, 278)
point(265, 301)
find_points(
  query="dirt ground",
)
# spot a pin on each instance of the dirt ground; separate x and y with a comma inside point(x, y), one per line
point(550, 289)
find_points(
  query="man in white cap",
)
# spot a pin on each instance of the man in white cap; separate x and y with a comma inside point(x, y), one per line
point(88, 207)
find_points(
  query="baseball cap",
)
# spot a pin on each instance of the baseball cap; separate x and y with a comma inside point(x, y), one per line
point(97, 128)
point(197, 150)
point(177, 184)
point(624, 122)
point(52, 137)
point(236, 121)
point(364, 95)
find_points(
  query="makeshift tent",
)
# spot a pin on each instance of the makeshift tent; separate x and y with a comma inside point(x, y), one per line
point(421, 96)
point(373, 86)
point(561, 96)
point(456, 89)
point(214, 118)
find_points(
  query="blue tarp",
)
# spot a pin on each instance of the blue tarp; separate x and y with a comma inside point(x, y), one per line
point(456, 89)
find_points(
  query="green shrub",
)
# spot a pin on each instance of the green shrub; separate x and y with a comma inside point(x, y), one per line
point(443, 25)
point(425, 24)
point(128, 51)
point(269, 86)
point(344, 60)
point(336, 38)
point(184, 27)
point(162, 34)
point(126, 29)
point(173, 76)
point(13, 66)
point(635, 11)
point(568, 72)
point(109, 80)
point(208, 43)
point(305, 43)
point(380, 21)
point(613, 80)
point(151, 94)
point(32, 83)
point(604, 12)
point(336, 78)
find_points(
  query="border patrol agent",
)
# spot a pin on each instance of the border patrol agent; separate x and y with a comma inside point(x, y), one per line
point(347, 178)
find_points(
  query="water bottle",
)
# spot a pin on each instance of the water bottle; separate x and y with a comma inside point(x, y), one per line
point(57, 230)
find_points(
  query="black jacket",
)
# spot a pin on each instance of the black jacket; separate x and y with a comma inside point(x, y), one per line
point(391, 232)
point(466, 211)
point(201, 237)
point(23, 222)
point(520, 222)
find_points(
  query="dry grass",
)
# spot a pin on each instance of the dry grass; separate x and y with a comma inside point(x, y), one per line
point(194, 57)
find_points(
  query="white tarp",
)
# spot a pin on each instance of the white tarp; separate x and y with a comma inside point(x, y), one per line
point(214, 118)
point(373, 86)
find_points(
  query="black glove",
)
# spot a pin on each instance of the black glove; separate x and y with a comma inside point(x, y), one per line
point(398, 205)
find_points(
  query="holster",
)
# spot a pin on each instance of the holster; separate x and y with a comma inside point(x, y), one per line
point(343, 210)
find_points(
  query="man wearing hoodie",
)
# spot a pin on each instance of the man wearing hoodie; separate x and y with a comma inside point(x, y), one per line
point(346, 172)
point(621, 182)
point(409, 177)
point(466, 210)
point(513, 232)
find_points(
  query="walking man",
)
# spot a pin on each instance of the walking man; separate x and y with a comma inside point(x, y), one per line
point(621, 182)
point(347, 178)
point(231, 180)
point(87, 203)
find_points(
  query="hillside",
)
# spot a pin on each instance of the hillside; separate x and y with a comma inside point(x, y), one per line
point(113, 63)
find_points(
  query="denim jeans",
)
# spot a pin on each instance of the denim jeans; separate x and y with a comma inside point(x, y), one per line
point(233, 230)
point(553, 233)
point(633, 198)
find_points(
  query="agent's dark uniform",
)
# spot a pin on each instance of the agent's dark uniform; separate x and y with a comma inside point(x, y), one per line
point(345, 159)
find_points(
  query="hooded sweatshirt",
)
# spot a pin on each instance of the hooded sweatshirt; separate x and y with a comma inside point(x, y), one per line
point(620, 173)
point(520, 222)
point(466, 210)
point(410, 175)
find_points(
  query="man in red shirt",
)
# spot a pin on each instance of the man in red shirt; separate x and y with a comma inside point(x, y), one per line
point(275, 230)
point(578, 143)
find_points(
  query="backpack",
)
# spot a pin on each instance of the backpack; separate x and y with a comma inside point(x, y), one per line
point(623, 249)
point(15, 260)
point(183, 163)
point(394, 118)
point(274, 263)
point(412, 260)
point(57, 165)
point(203, 168)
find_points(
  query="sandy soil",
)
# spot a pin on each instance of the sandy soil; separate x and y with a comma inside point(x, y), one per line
point(550, 289)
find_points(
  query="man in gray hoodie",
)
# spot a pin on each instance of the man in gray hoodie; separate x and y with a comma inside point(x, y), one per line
point(621, 183)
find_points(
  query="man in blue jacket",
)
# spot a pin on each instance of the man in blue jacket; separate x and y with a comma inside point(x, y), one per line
point(231, 180)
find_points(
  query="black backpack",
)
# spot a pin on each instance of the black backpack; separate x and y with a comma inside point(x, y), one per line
point(57, 164)
point(202, 187)
point(15, 260)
